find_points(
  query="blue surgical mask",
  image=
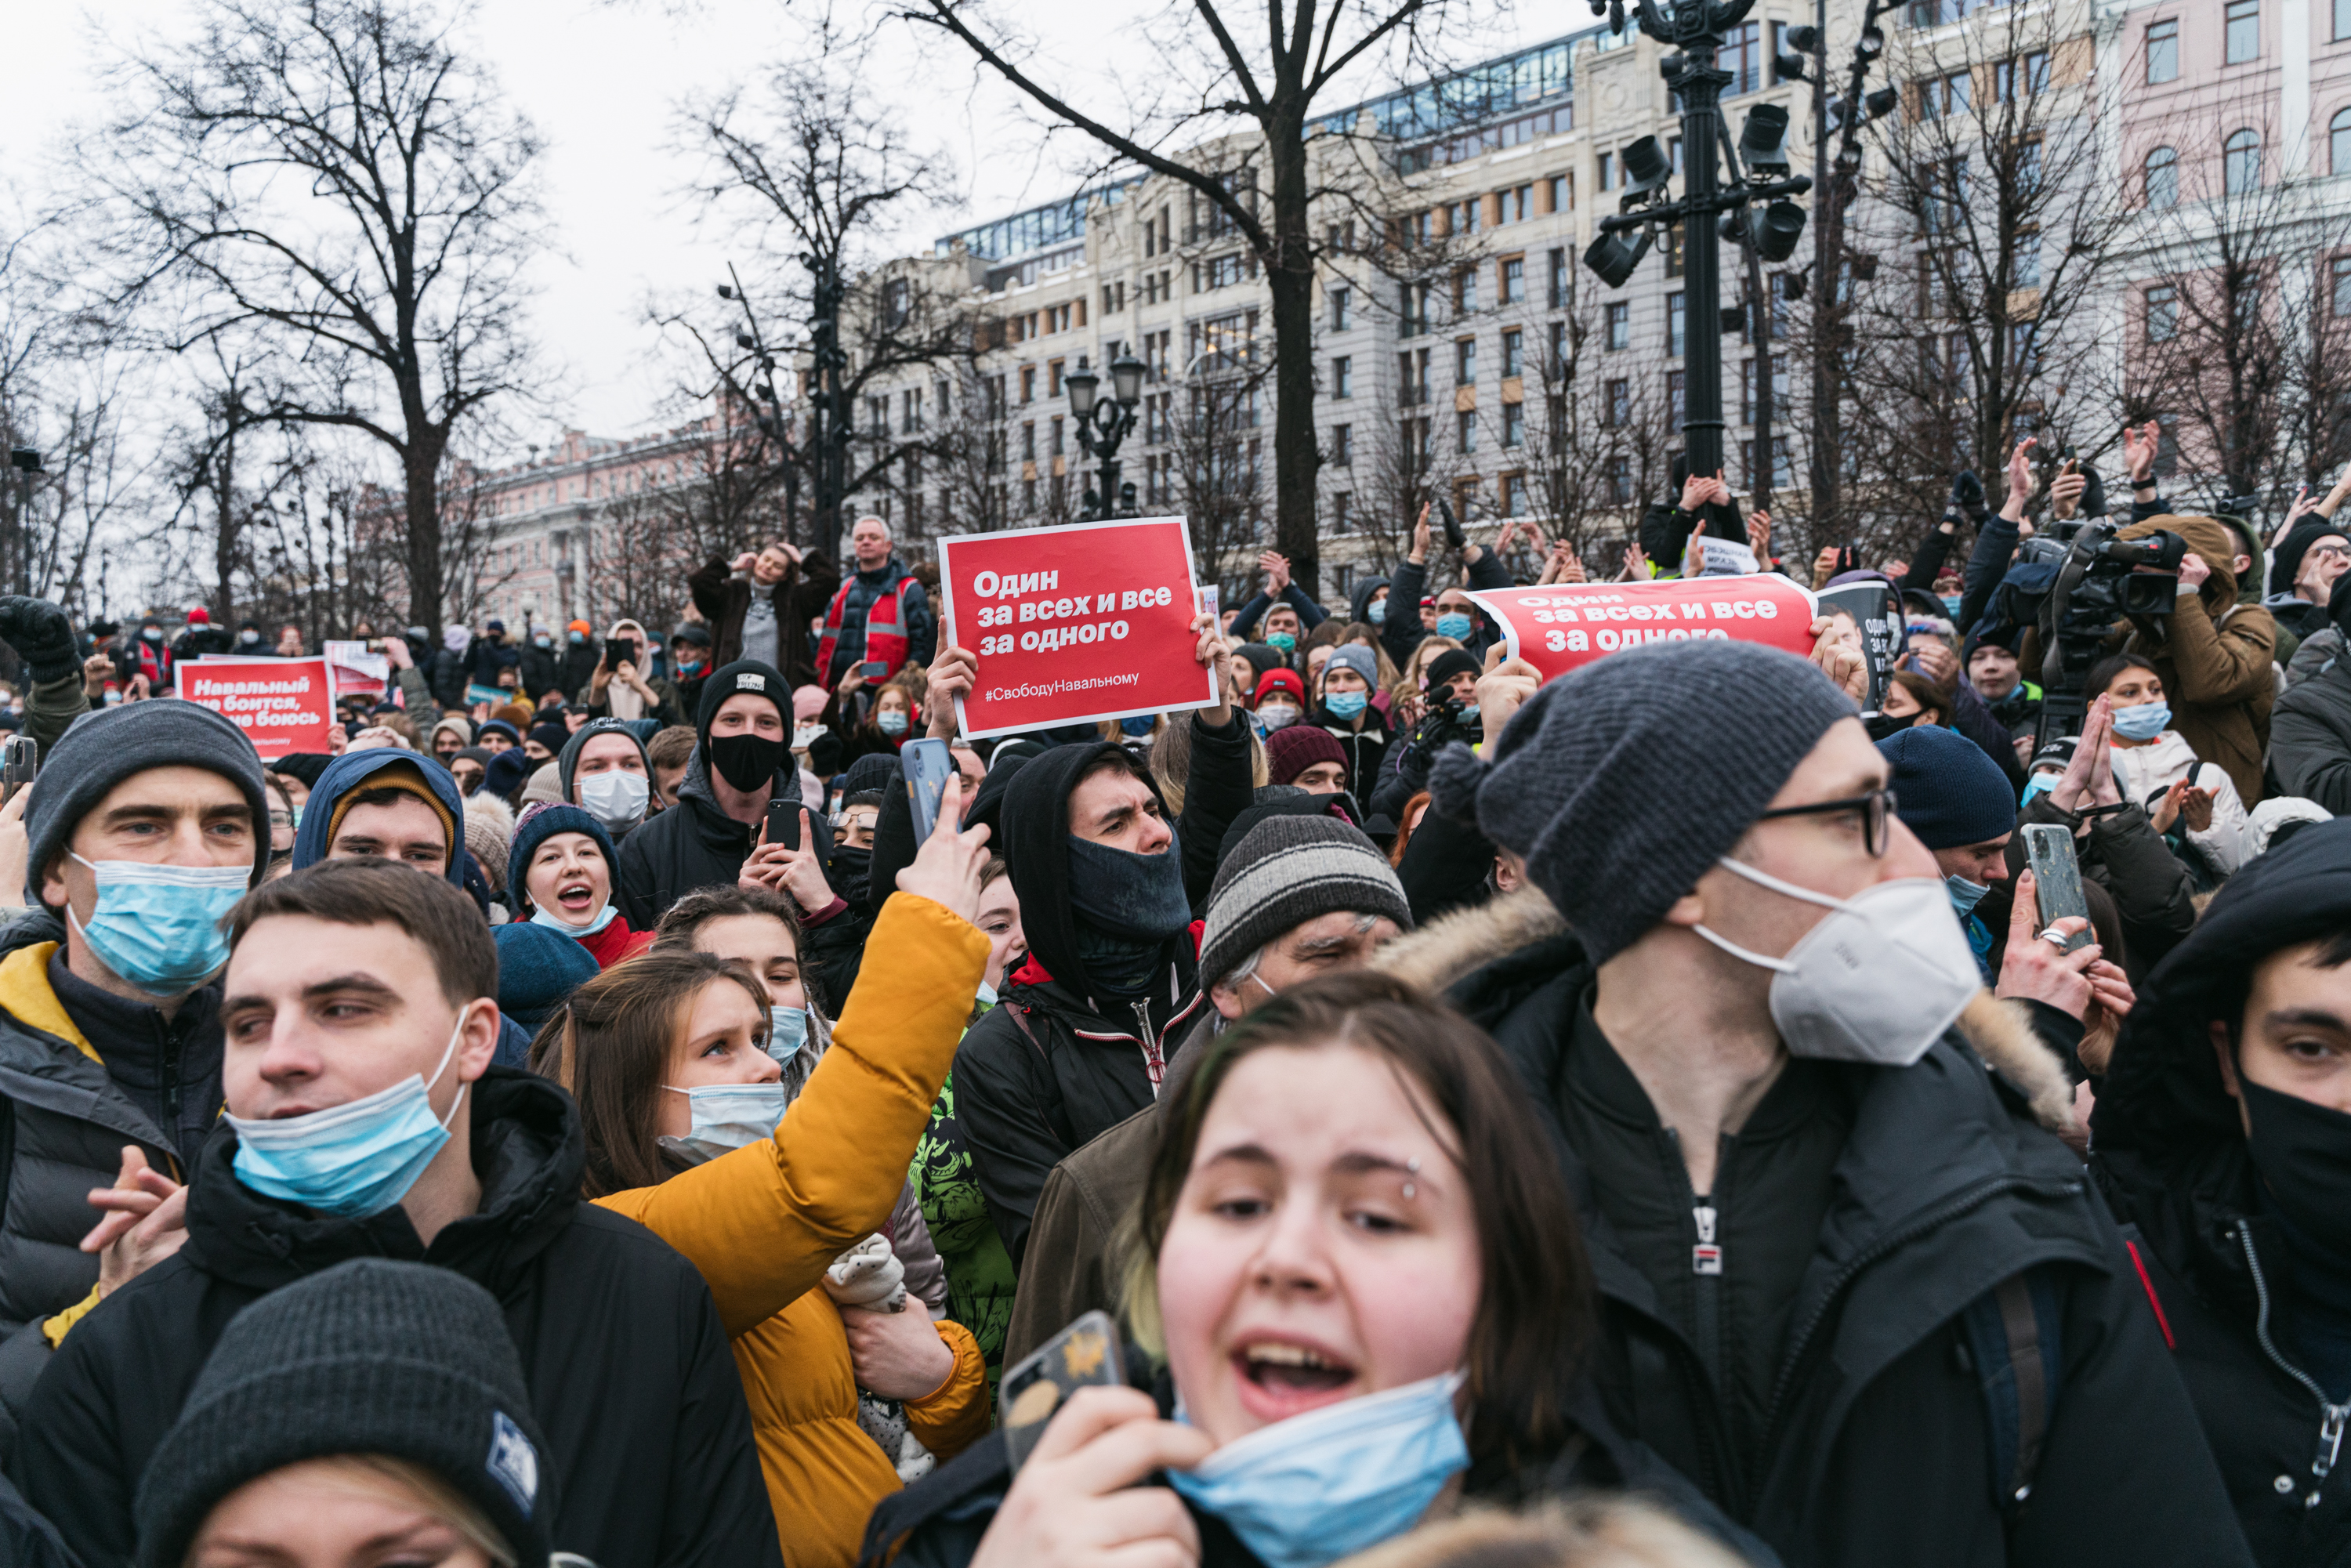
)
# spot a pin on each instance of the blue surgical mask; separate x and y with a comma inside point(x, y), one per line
point(1330, 1483)
point(1377, 614)
point(549, 918)
point(986, 995)
point(575, 638)
point(158, 926)
point(1453, 625)
point(2038, 784)
point(354, 1160)
point(2144, 722)
point(1280, 640)
point(729, 1116)
point(1951, 607)
point(1136, 727)
point(891, 722)
point(1965, 895)
point(787, 1032)
point(1345, 705)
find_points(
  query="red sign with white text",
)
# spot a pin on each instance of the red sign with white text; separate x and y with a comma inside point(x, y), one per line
point(1567, 625)
point(1072, 624)
point(284, 705)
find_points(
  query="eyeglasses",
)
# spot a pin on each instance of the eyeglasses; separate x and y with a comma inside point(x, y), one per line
point(2331, 552)
point(1874, 809)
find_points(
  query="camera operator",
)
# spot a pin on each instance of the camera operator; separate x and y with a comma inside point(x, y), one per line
point(2214, 653)
point(1452, 714)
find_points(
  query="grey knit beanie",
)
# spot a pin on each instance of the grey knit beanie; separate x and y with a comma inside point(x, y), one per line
point(1284, 872)
point(404, 1360)
point(1620, 784)
point(102, 748)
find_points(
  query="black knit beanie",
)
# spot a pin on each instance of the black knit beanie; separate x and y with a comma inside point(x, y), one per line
point(1620, 784)
point(404, 1360)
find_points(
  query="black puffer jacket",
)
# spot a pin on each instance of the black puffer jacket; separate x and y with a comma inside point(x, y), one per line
point(1879, 1442)
point(65, 1115)
point(2170, 1150)
point(2309, 729)
point(629, 1366)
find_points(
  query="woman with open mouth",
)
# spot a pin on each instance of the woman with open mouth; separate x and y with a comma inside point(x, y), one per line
point(559, 872)
point(1360, 1273)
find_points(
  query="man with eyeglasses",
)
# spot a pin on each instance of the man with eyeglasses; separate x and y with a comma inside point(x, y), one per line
point(2310, 731)
point(1849, 1282)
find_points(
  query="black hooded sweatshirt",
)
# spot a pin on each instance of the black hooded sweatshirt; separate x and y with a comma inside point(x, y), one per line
point(629, 1369)
point(2168, 1147)
point(1054, 1065)
point(694, 843)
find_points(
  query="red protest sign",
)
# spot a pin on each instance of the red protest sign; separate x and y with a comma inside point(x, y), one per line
point(1090, 621)
point(1567, 625)
point(284, 705)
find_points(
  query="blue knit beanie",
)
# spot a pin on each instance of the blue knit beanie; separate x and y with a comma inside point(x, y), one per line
point(539, 968)
point(1621, 784)
point(1945, 790)
point(542, 822)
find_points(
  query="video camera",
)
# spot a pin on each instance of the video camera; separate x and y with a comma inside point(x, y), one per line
point(2093, 579)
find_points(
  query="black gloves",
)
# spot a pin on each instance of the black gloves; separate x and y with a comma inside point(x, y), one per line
point(2093, 494)
point(1453, 533)
point(1968, 496)
point(42, 635)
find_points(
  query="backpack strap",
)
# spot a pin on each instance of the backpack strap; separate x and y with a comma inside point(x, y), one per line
point(2013, 1339)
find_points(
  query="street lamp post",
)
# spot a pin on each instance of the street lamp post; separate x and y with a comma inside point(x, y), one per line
point(1103, 424)
point(27, 463)
point(771, 420)
point(1694, 29)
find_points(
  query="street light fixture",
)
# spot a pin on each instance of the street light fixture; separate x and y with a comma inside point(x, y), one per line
point(1103, 424)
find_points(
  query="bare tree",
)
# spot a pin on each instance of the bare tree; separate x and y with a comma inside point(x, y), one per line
point(1219, 446)
point(970, 455)
point(1990, 223)
point(336, 177)
point(1238, 76)
point(2234, 345)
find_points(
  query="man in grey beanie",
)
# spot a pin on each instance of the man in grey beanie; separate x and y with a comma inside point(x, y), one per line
point(1300, 892)
point(143, 828)
point(1833, 1253)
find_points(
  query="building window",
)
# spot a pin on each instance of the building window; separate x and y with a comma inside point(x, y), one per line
point(2338, 139)
point(1517, 204)
point(1514, 420)
point(1465, 216)
point(1675, 402)
point(2342, 20)
point(1059, 449)
point(1342, 376)
point(1465, 362)
point(1563, 186)
point(2244, 31)
point(2162, 53)
point(1466, 432)
point(1608, 170)
point(1465, 292)
point(1342, 507)
point(2241, 162)
point(2027, 73)
point(2342, 290)
point(1557, 364)
point(1941, 97)
point(1512, 342)
point(1616, 411)
point(1342, 444)
point(2028, 261)
point(1340, 300)
point(1513, 487)
point(1559, 272)
point(1674, 325)
point(2024, 347)
point(2163, 178)
point(1511, 286)
point(1675, 260)
point(1029, 441)
point(1620, 324)
point(1028, 383)
point(2162, 313)
point(1620, 481)
point(1742, 56)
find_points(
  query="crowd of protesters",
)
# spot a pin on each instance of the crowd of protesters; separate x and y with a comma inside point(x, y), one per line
point(1642, 1117)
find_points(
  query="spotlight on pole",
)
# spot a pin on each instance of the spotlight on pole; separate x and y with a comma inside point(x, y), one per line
point(1612, 260)
point(726, 291)
point(1763, 140)
point(1883, 102)
point(1647, 167)
point(1783, 226)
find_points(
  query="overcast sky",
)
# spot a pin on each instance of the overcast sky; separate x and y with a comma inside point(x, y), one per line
point(600, 81)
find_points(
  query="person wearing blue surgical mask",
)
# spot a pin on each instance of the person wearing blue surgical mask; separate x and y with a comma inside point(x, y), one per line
point(1349, 679)
point(763, 1173)
point(146, 825)
point(1362, 1276)
point(2192, 803)
point(1956, 801)
point(365, 1117)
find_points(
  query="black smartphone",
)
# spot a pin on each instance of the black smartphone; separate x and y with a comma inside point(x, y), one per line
point(784, 823)
point(928, 765)
point(618, 650)
point(2057, 879)
point(1085, 1355)
point(875, 670)
point(20, 763)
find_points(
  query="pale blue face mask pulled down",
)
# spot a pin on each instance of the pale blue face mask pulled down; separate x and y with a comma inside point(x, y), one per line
point(548, 918)
point(1453, 625)
point(787, 1032)
point(1330, 1483)
point(158, 926)
point(730, 1116)
point(354, 1160)
point(1966, 894)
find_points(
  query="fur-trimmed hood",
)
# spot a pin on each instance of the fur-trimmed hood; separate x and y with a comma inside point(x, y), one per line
point(1449, 949)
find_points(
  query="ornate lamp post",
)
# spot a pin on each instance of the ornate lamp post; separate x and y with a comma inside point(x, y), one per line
point(1103, 424)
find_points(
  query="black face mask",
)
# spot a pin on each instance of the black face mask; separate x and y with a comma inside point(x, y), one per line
point(747, 761)
point(1129, 906)
point(2303, 1152)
